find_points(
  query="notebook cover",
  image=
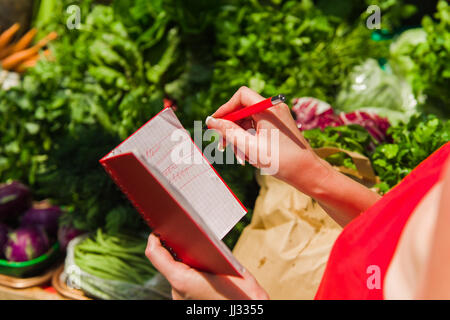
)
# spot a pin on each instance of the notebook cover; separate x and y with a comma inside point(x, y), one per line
point(166, 216)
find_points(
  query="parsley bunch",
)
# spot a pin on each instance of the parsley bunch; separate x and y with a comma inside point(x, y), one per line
point(412, 142)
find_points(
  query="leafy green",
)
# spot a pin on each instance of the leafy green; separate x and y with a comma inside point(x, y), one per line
point(370, 88)
point(67, 114)
point(426, 63)
point(412, 142)
point(400, 58)
point(287, 46)
point(108, 78)
point(352, 138)
point(409, 144)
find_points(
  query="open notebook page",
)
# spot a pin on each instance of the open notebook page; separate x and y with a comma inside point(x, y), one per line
point(175, 156)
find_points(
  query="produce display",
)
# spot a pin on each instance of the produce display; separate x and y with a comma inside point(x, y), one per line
point(393, 150)
point(381, 93)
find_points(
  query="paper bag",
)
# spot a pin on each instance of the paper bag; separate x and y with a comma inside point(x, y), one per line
point(287, 243)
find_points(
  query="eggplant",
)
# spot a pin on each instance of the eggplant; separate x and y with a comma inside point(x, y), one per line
point(66, 233)
point(26, 243)
point(15, 198)
point(42, 215)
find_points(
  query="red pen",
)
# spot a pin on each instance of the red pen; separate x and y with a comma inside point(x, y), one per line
point(255, 108)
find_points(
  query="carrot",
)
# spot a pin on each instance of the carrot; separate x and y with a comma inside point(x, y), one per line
point(20, 45)
point(24, 41)
point(51, 36)
point(27, 64)
point(17, 58)
point(21, 69)
point(6, 51)
point(32, 60)
point(6, 36)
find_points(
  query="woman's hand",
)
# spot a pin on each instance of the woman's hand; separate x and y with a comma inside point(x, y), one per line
point(188, 283)
point(270, 140)
point(276, 143)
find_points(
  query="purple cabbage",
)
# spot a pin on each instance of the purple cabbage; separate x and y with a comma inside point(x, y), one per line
point(15, 198)
point(4, 230)
point(313, 113)
point(374, 124)
point(44, 216)
point(26, 243)
point(66, 233)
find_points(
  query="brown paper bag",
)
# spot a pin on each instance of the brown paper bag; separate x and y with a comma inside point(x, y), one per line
point(287, 243)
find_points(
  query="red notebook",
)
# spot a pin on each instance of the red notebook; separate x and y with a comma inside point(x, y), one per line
point(178, 193)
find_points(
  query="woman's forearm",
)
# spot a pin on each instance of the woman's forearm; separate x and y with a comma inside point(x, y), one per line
point(340, 196)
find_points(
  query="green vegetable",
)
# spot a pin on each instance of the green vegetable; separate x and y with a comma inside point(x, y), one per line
point(400, 59)
point(424, 60)
point(115, 257)
point(287, 46)
point(69, 113)
point(44, 14)
point(370, 88)
point(412, 142)
point(352, 138)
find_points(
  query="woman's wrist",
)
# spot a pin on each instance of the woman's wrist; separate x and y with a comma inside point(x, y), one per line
point(310, 178)
point(331, 188)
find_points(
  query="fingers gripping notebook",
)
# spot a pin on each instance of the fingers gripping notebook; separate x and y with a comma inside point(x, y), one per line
point(178, 192)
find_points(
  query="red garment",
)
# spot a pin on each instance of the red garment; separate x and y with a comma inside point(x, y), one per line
point(371, 238)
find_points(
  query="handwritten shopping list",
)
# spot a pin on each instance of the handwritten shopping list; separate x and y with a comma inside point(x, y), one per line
point(168, 147)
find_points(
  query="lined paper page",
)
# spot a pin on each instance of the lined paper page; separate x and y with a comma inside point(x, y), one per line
point(167, 147)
